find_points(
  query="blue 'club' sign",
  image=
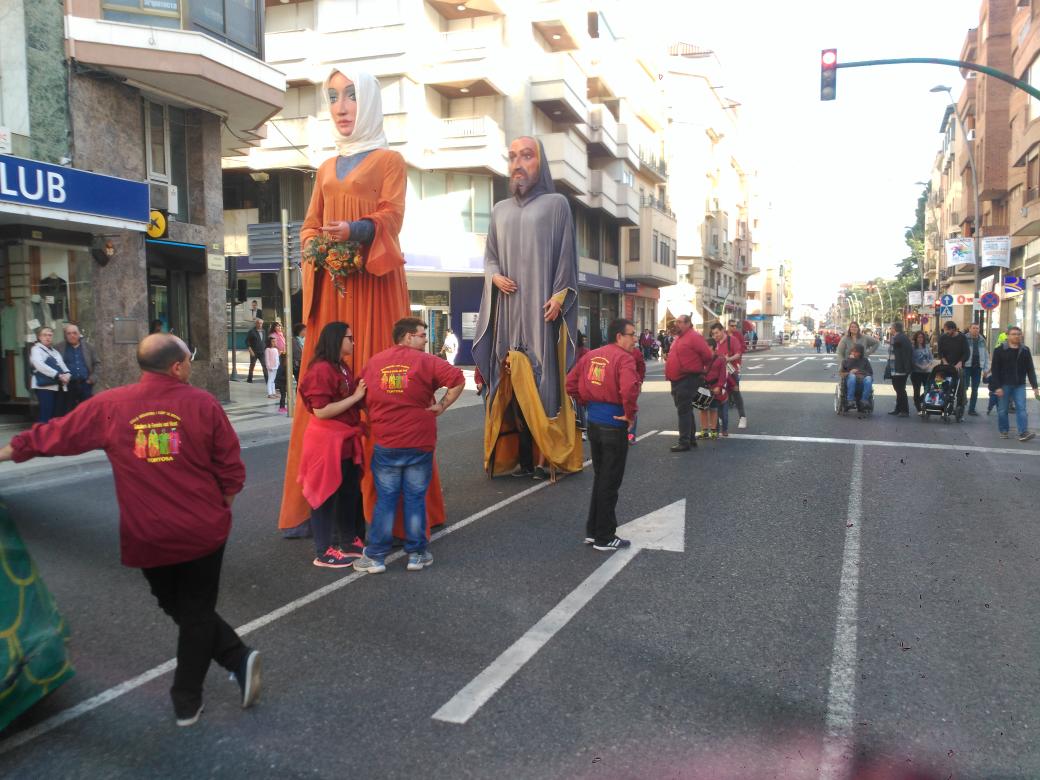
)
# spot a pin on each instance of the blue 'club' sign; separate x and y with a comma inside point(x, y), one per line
point(42, 185)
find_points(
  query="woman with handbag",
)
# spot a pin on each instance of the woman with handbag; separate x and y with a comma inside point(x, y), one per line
point(922, 365)
point(50, 375)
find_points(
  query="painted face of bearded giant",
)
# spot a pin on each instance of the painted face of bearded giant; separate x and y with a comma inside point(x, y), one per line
point(524, 165)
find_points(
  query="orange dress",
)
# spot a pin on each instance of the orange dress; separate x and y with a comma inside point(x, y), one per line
point(375, 299)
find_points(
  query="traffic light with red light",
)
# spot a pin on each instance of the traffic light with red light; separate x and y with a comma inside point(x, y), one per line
point(828, 74)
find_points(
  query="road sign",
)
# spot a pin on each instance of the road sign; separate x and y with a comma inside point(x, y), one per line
point(946, 300)
point(663, 529)
point(1013, 284)
point(945, 311)
point(989, 300)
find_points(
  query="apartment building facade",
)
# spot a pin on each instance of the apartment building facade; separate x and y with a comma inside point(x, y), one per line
point(459, 81)
point(711, 191)
point(116, 116)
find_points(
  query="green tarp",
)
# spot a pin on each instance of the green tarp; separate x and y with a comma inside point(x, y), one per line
point(33, 634)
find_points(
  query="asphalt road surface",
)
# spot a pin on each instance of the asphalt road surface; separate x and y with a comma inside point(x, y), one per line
point(851, 596)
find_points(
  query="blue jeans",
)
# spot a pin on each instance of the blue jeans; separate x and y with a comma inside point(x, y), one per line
point(1016, 393)
point(398, 472)
point(850, 387)
point(972, 378)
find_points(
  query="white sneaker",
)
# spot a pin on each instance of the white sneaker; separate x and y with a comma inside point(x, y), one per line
point(742, 422)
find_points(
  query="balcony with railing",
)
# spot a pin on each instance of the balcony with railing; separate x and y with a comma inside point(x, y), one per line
point(562, 23)
point(559, 87)
point(474, 143)
point(652, 165)
point(615, 198)
point(467, 63)
point(603, 132)
point(568, 160)
point(646, 201)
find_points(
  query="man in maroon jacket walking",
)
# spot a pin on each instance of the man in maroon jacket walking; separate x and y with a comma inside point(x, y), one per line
point(687, 360)
point(607, 382)
point(177, 468)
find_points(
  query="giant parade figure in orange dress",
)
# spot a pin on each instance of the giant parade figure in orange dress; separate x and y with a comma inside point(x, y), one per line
point(358, 196)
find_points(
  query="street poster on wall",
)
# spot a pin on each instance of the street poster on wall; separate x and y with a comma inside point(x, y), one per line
point(996, 251)
point(960, 251)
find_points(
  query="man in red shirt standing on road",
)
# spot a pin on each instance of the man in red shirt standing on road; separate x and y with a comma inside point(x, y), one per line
point(607, 382)
point(177, 468)
point(684, 368)
point(403, 414)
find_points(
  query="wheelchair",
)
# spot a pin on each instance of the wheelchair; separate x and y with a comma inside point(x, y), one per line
point(842, 404)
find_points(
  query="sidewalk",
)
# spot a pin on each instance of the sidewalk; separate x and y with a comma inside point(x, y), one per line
point(253, 415)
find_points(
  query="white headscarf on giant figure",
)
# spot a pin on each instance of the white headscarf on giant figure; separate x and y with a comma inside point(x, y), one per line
point(368, 125)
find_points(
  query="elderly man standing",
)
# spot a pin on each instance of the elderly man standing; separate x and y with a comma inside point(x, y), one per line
point(687, 360)
point(527, 326)
point(256, 341)
point(83, 364)
point(176, 463)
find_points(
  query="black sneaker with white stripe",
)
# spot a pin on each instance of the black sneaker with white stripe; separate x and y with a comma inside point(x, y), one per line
point(613, 544)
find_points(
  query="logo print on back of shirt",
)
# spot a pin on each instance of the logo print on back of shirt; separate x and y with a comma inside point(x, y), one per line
point(597, 369)
point(157, 437)
point(393, 380)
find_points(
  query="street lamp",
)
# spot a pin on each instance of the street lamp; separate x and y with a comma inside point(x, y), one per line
point(974, 191)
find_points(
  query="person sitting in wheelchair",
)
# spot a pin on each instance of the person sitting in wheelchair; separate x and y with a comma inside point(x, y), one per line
point(858, 377)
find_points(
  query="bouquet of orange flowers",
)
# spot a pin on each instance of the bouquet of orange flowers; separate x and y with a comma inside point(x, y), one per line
point(339, 258)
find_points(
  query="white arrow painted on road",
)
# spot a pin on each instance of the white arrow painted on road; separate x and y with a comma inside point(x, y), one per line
point(664, 529)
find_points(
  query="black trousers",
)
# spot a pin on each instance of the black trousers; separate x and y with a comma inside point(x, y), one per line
point(187, 592)
point(899, 385)
point(342, 512)
point(919, 380)
point(609, 448)
point(682, 395)
point(524, 438)
point(253, 358)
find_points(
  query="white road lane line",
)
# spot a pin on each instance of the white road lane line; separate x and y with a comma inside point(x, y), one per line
point(919, 445)
point(841, 694)
point(793, 365)
point(88, 705)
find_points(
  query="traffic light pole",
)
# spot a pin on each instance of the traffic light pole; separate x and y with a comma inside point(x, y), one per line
point(997, 74)
point(977, 315)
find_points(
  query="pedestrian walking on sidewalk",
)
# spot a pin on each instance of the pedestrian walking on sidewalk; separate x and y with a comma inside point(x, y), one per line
point(271, 361)
point(402, 381)
point(332, 459)
point(606, 380)
point(1012, 365)
point(684, 368)
point(976, 367)
point(177, 469)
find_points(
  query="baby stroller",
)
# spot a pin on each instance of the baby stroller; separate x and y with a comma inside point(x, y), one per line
point(842, 403)
point(942, 393)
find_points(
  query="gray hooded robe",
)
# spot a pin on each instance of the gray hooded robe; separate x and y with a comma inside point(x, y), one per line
point(531, 241)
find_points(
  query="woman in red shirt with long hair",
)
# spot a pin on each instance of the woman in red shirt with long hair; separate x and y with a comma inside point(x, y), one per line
point(332, 457)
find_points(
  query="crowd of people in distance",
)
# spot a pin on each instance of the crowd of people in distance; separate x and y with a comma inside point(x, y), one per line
point(945, 375)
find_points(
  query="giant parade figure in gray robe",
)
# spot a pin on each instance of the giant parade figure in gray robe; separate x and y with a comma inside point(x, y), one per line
point(527, 325)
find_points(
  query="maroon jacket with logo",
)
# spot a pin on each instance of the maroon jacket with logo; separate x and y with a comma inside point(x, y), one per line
point(607, 375)
point(174, 457)
point(690, 354)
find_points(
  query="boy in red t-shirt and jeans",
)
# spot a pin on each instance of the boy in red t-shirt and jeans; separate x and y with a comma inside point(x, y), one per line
point(403, 416)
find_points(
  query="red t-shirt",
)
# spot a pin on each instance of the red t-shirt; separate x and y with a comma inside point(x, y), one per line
point(606, 375)
point(324, 383)
point(731, 344)
point(401, 383)
point(174, 457)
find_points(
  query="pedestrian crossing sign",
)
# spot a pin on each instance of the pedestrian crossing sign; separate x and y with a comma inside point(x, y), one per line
point(945, 311)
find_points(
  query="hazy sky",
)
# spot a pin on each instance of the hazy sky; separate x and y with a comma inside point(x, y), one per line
point(840, 174)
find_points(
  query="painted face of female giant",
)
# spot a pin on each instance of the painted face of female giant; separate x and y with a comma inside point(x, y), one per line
point(342, 103)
